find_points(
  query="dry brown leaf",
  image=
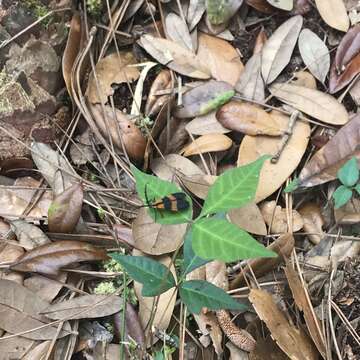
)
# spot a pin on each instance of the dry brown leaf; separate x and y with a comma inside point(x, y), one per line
point(195, 12)
point(156, 239)
point(277, 51)
point(283, 246)
point(165, 303)
point(260, 41)
point(286, 5)
point(248, 218)
point(38, 352)
point(294, 342)
point(333, 12)
point(272, 176)
point(348, 48)
point(113, 69)
point(247, 118)
point(121, 130)
point(276, 218)
point(349, 214)
point(262, 6)
point(313, 221)
point(174, 56)
point(315, 103)
point(303, 302)
point(199, 185)
point(220, 57)
point(177, 30)
point(304, 78)
point(84, 307)
point(15, 348)
point(324, 165)
point(206, 124)
point(207, 143)
point(173, 165)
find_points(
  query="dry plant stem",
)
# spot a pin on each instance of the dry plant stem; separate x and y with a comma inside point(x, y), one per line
point(286, 137)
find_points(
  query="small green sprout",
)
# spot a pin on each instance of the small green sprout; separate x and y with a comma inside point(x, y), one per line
point(348, 175)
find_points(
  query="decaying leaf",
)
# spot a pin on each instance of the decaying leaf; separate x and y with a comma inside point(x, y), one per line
point(220, 57)
point(324, 165)
point(272, 176)
point(277, 220)
point(64, 212)
point(294, 342)
point(204, 98)
point(207, 143)
point(277, 51)
point(50, 258)
point(313, 221)
point(174, 56)
point(333, 12)
point(315, 54)
point(85, 306)
point(312, 102)
point(177, 30)
point(283, 246)
point(113, 69)
point(247, 118)
point(249, 218)
point(206, 124)
point(121, 130)
point(153, 238)
point(162, 314)
point(303, 302)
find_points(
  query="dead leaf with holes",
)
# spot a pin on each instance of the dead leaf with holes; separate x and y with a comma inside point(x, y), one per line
point(293, 341)
point(207, 143)
point(272, 176)
point(276, 218)
point(113, 69)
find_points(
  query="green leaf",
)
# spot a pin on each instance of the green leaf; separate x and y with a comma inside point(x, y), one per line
point(157, 189)
point(155, 277)
point(221, 240)
point(341, 196)
point(349, 172)
point(292, 186)
point(357, 188)
point(197, 294)
point(234, 188)
point(191, 261)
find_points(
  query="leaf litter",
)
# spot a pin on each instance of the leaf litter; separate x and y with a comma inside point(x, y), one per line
point(208, 87)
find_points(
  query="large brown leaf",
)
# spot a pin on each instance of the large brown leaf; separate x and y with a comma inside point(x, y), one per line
point(315, 103)
point(174, 56)
point(207, 143)
point(50, 258)
point(334, 13)
point(324, 165)
point(220, 57)
point(277, 51)
point(177, 30)
point(206, 124)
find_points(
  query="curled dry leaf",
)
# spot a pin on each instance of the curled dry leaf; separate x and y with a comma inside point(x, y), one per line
point(313, 222)
point(272, 176)
point(207, 143)
point(324, 165)
point(155, 102)
point(113, 69)
point(50, 258)
point(348, 48)
point(249, 218)
point(118, 126)
point(177, 30)
point(220, 57)
point(303, 302)
point(276, 218)
point(277, 51)
point(153, 238)
point(293, 341)
point(64, 212)
point(28, 235)
point(174, 56)
point(162, 314)
point(333, 12)
point(173, 165)
point(204, 98)
point(315, 103)
point(206, 124)
point(247, 118)
point(283, 246)
point(84, 307)
point(315, 54)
